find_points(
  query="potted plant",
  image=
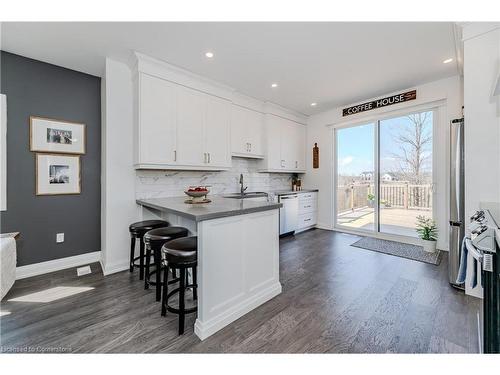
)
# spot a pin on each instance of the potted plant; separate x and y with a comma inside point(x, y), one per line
point(427, 231)
point(371, 200)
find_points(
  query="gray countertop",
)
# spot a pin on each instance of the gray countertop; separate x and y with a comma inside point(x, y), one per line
point(286, 192)
point(219, 207)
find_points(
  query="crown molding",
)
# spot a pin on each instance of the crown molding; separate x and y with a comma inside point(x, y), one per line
point(472, 30)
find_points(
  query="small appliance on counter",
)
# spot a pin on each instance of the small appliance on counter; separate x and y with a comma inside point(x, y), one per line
point(198, 194)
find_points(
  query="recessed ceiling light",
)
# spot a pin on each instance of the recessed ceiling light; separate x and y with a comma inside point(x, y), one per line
point(209, 54)
point(274, 85)
point(314, 104)
point(447, 61)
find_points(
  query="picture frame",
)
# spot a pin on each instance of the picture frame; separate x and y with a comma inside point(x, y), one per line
point(57, 174)
point(57, 136)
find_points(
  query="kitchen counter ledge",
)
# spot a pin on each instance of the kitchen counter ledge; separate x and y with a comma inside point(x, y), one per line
point(219, 207)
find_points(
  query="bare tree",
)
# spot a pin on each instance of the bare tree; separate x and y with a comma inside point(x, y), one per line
point(414, 140)
point(413, 143)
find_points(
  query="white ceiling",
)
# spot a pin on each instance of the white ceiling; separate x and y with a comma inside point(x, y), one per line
point(329, 63)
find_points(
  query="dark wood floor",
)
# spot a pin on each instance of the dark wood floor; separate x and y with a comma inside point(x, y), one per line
point(336, 298)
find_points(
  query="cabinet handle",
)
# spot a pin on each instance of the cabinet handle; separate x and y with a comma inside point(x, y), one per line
point(175, 155)
point(307, 219)
point(204, 157)
point(250, 147)
point(296, 164)
point(209, 157)
point(307, 206)
point(282, 163)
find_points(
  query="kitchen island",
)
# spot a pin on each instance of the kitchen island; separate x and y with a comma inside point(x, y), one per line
point(238, 254)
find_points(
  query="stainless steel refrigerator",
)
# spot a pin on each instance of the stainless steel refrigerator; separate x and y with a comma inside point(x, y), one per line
point(457, 198)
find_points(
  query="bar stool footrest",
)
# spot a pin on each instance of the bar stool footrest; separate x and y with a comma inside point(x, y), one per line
point(177, 311)
point(153, 283)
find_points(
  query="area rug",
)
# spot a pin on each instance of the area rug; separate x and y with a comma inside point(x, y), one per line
point(399, 249)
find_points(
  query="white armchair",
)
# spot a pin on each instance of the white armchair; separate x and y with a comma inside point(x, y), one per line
point(8, 259)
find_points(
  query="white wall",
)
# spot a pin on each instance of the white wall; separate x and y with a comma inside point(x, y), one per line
point(118, 207)
point(447, 90)
point(482, 114)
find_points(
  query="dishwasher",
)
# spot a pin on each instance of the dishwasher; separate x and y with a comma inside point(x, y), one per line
point(289, 213)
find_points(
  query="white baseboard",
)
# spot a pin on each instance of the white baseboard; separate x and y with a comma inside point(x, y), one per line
point(115, 267)
point(324, 226)
point(206, 329)
point(56, 265)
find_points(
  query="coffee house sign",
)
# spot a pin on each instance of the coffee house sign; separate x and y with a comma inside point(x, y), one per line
point(379, 103)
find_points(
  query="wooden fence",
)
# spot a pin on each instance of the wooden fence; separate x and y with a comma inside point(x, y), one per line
point(399, 195)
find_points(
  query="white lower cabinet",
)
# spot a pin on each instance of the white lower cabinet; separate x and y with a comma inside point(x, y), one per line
point(308, 211)
point(307, 220)
point(238, 268)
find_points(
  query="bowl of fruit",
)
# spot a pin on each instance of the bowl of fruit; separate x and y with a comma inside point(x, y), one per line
point(198, 194)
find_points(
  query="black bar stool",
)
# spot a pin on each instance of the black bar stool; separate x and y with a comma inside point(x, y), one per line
point(137, 231)
point(180, 254)
point(154, 240)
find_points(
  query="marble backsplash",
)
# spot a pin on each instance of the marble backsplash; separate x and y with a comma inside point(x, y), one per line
point(160, 184)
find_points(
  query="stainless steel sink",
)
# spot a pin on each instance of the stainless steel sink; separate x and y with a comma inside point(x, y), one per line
point(252, 194)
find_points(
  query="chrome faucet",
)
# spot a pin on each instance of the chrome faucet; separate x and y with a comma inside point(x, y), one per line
point(242, 189)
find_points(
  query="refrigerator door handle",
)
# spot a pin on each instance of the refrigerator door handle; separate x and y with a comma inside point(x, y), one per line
point(456, 219)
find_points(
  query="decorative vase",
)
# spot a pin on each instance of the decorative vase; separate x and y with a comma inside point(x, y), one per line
point(429, 246)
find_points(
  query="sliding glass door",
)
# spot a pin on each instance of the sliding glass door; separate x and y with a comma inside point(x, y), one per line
point(405, 172)
point(384, 174)
point(356, 177)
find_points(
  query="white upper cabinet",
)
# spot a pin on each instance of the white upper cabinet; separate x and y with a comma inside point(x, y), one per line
point(300, 147)
point(181, 128)
point(247, 130)
point(157, 121)
point(273, 160)
point(190, 127)
point(217, 132)
point(187, 122)
point(285, 145)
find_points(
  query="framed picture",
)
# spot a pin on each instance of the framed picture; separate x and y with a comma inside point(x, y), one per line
point(57, 174)
point(56, 136)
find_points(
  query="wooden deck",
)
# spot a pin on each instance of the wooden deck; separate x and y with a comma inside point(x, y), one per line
point(398, 221)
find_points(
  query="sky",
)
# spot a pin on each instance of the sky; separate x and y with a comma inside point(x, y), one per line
point(356, 146)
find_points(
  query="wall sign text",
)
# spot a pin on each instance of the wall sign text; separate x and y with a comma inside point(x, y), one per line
point(379, 103)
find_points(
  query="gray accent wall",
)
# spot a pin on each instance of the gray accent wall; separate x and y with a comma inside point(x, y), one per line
point(34, 88)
